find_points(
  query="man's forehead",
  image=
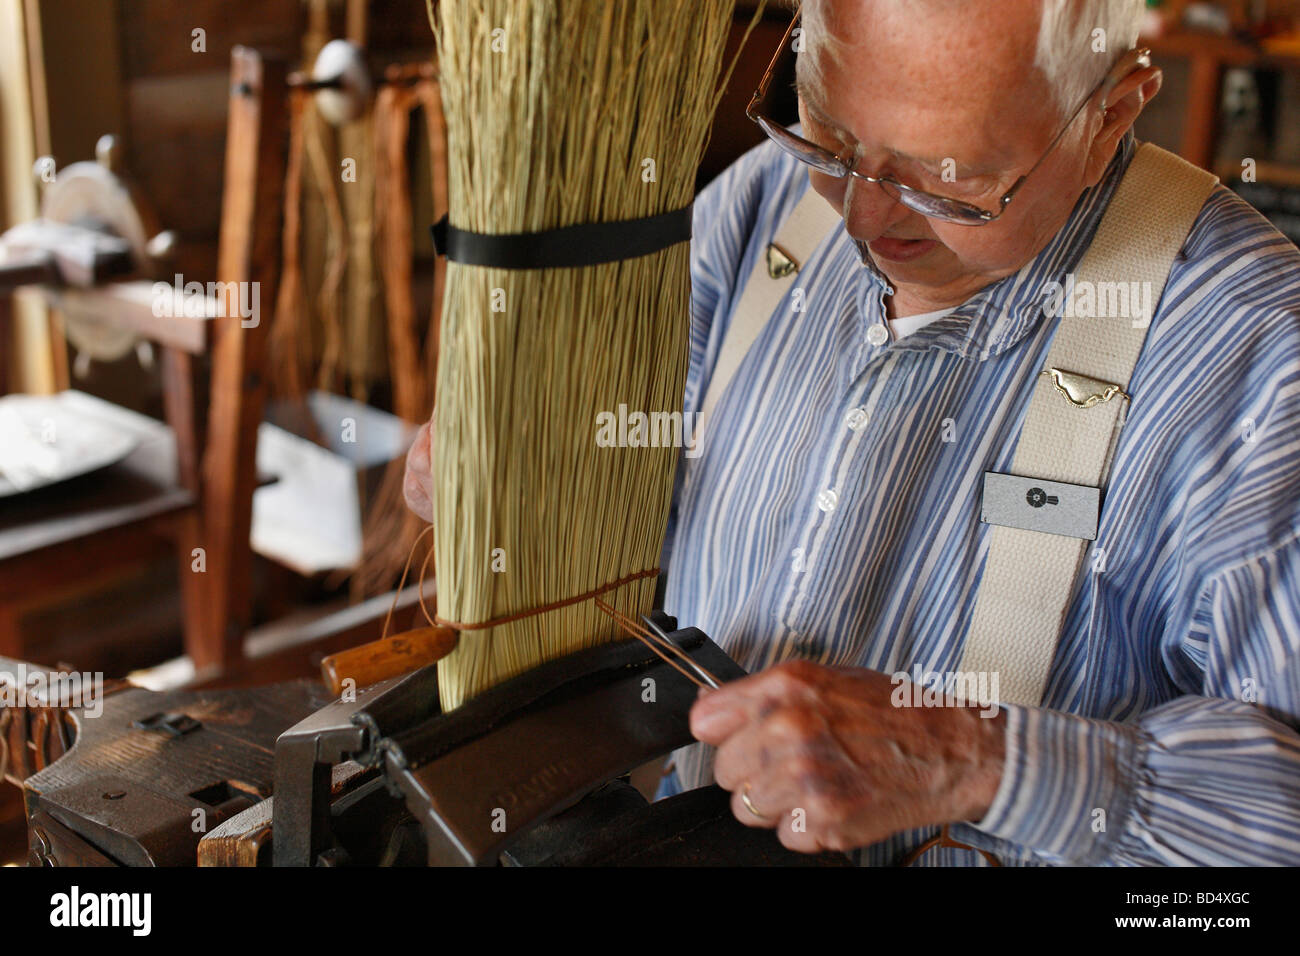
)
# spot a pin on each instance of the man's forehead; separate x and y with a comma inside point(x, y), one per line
point(977, 21)
point(950, 75)
point(944, 45)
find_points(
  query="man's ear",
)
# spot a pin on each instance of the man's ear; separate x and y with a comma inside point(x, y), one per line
point(1124, 103)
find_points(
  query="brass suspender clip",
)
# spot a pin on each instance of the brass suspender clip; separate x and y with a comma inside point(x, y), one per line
point(779, 262)
point(1082, 391)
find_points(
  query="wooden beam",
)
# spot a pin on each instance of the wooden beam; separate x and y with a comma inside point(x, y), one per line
point(248, 257)
point(6, 344)
point(29, 332)
point(74, 99)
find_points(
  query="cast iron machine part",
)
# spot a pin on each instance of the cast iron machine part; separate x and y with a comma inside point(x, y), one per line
point(530, 772)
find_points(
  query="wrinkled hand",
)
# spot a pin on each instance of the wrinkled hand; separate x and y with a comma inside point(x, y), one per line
point(829, 742)
point(418, 484)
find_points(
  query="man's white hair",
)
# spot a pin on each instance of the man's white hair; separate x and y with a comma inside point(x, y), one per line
point(1078, 41)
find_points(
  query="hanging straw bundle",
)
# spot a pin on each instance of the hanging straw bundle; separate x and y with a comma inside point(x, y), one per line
point(560, 112)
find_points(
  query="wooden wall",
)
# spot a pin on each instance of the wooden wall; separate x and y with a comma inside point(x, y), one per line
point(175, 100)
point(135, 68)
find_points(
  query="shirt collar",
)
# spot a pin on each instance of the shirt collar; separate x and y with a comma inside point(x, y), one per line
point(1001, 314)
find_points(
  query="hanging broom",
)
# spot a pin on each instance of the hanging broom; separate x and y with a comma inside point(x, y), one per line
point(561, 113)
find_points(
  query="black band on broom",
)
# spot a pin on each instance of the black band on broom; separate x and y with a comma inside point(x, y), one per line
point(583, 121)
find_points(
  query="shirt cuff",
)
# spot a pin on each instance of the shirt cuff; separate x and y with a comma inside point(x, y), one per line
point(1067, 785)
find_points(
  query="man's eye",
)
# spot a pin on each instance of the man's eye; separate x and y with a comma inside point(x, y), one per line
point(955, 185)
point(823, 135)
point(977, 187)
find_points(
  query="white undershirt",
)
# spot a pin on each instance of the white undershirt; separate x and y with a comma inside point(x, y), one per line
point(911, 323)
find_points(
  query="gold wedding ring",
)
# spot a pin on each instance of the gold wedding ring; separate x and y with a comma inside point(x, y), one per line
point(744, 798)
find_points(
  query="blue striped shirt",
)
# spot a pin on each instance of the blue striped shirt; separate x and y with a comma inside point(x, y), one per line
point(1168, 731)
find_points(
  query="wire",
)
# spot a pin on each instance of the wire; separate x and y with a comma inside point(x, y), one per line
point(655, 644)
point(410, 555)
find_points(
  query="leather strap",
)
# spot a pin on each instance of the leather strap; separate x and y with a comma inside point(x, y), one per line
point(586, 244)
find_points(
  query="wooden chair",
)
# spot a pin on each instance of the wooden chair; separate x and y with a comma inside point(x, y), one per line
point(188, 485)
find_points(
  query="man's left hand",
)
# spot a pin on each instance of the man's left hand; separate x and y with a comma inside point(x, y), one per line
point(827, 760)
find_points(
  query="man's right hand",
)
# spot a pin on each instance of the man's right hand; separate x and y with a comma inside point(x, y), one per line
point(418, 486)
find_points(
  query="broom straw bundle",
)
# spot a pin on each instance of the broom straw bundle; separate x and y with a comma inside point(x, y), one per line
point(560, 112)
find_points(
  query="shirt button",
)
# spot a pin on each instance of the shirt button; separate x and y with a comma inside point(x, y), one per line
point(804, 646)
point(857, 419)
point(877, 335)
point(828, 499)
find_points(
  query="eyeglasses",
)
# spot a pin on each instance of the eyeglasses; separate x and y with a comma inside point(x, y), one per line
point(927, 204)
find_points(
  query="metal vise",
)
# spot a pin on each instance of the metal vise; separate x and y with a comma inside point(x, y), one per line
point(525, 773)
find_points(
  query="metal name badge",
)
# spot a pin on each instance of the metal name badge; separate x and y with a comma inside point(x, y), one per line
point(1033, 504)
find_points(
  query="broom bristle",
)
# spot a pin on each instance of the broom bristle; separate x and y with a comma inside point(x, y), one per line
point(561, 112)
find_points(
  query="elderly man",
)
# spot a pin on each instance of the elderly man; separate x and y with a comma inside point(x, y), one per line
point(828, 534)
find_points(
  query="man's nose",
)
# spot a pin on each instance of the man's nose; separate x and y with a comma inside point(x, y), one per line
point(869, 212)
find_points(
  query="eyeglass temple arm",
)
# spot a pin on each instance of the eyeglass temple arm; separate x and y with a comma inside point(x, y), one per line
point(1138, 59)
point(765, 83)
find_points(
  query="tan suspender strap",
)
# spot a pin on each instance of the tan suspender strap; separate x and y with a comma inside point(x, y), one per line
point(811, 220)
point(1029, 576)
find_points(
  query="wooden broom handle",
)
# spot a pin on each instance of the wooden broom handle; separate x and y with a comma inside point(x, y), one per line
point(390, 657)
